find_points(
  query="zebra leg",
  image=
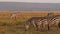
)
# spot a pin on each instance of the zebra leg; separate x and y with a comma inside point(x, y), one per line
point(38, 27)
point(58, 26)
point(35, 25)
point(48, 26)
point(41, 26)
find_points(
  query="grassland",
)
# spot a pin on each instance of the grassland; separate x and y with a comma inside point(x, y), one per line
point(11, 26)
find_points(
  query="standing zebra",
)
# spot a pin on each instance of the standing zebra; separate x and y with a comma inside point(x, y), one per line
point(53, 20)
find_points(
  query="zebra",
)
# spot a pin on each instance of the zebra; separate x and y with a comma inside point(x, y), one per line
point(50, 20)
point(31, 21)
point(55, 20)
point(42, 22)
point(37, 22)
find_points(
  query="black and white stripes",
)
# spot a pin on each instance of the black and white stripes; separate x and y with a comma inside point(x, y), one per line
point(43, 22)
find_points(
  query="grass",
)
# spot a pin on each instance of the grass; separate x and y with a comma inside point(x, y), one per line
point(11, 26)
point(18, 29)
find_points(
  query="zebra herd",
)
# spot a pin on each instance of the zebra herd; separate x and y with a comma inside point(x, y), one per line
point(42, 23)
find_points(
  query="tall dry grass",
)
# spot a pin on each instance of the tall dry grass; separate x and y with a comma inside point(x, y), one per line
point(22, 16)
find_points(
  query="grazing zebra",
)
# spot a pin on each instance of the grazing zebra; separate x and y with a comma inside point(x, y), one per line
point(43, 22)
point(31, 21)
point(37, 22)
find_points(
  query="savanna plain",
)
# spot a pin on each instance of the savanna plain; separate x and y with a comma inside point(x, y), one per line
point(16, 26)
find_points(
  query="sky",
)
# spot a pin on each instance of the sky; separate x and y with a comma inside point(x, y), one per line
point(33, 1)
